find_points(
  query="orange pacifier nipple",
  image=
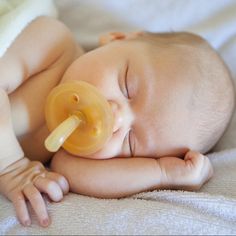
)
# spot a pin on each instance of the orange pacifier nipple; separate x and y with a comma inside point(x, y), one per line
point(79, 117)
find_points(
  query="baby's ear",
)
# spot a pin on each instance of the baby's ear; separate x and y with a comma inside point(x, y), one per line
point(112, 36)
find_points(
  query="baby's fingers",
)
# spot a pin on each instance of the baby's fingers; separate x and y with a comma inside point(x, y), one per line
point(60, 180)
point(50, 187)
point(37, 202)
point(21, 209)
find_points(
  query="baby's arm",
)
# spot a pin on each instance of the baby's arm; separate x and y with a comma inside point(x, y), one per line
point(120, 177)
point(10, 150)
point(42, 51)
point(42, 45)
point(21, 179)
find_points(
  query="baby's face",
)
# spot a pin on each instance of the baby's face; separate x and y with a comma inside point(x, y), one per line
point(148, 93)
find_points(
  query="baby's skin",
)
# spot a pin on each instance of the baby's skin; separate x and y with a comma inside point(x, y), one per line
point(142, 154)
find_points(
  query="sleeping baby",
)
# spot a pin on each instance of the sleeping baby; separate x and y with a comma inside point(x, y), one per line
point(171, 96)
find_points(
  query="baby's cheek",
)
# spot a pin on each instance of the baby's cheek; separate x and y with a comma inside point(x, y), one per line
point(111, 149)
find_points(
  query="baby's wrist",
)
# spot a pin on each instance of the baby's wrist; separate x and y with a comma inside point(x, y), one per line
point(10, 158)
point(21, 162)
point(10, 149)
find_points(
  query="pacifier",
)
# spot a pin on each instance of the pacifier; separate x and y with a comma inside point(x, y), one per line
point(79, 118)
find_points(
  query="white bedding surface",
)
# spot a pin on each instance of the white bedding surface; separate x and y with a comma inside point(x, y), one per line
point(209, 211)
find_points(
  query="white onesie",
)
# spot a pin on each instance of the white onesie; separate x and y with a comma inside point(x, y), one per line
point(15, 15)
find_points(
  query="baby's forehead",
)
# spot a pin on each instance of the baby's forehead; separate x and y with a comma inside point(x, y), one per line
point(182, 44)
point(167, 75)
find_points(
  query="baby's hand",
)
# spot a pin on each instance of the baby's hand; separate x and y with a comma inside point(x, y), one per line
point(189, 174)
point(26, 180)
point(198, 170)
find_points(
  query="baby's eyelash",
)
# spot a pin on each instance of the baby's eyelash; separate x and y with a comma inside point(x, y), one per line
point(130, 145)
point(126, 83)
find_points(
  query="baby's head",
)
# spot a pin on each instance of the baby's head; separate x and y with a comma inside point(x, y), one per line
point(169, 92)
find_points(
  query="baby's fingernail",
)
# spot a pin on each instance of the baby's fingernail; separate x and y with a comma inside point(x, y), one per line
point(27, 223)
point(45, 222)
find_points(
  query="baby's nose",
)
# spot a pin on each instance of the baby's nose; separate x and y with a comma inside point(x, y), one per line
point(118, 119)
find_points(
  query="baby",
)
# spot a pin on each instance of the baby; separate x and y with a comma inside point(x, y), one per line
point(171, 95)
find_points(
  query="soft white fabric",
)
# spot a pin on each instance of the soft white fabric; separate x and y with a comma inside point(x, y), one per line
point(212, 211)
point(15, 15)
point(209, 211)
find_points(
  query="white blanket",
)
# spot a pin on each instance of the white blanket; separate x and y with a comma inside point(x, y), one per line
point(209, 211)
point(15, 15)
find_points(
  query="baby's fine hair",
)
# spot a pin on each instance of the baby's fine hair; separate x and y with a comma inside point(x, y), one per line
point(213, 97)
